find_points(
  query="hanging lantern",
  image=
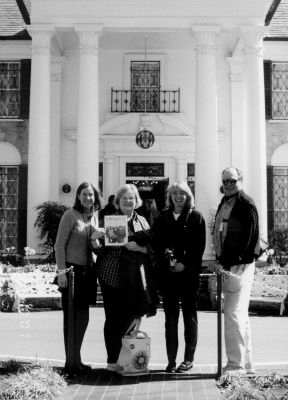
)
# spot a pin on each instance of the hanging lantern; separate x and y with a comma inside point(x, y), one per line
point(145, 138)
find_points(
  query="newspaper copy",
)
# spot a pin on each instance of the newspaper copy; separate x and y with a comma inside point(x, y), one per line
point(116, 230)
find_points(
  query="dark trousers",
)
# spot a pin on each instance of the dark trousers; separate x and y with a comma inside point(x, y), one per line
point(171, 303)
point(117, 321)
point(81, 319)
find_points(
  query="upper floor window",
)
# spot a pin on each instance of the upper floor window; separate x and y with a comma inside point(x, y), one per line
point(145, 86)
point(10, 89)
point(14, 89)
point(276, 90)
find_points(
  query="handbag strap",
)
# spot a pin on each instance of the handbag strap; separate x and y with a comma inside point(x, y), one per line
point(134, 326)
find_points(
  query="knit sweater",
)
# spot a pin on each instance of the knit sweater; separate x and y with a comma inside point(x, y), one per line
point(73, 238)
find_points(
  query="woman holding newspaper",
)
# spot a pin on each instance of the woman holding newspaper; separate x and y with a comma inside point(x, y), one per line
point(121, 264)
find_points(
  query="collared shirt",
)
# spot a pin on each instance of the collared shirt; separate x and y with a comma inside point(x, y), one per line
point(221, 223)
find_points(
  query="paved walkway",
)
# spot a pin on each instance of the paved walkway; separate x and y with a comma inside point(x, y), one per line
point(102, 385)
point(37, 337)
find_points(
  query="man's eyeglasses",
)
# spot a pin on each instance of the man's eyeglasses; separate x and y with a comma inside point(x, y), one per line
point(231, 181)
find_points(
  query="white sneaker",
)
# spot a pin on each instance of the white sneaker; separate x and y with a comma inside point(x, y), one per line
point(113, 367)
point(250, 369)
point(232, 368)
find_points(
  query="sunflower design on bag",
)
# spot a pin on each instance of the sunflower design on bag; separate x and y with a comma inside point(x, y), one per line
point(140, 360)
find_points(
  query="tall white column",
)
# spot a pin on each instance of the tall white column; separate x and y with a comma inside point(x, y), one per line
point(238, 129)
point(56, 78)
point(206, 147)
point(255, 119)
point(88, 107)
point(39, 128)
point(181, 168)
point(109, 184)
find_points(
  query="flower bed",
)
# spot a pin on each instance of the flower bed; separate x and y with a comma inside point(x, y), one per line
point(269, 290)
point(21, 286)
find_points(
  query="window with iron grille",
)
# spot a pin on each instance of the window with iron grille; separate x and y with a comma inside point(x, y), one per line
point(145, 86)
point(10, 89)
point(276, 90)
point(280, 197)
point(8, 207)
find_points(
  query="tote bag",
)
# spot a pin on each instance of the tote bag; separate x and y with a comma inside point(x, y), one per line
point(135, 352)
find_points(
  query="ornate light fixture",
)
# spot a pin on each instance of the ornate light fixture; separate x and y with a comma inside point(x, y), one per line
point(145, 138)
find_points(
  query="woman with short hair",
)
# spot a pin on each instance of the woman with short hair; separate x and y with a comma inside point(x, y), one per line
point(118, 271)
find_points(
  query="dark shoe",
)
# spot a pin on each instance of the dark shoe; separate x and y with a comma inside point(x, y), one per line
point(171, 368)
point(185, 366)
point(84, 368)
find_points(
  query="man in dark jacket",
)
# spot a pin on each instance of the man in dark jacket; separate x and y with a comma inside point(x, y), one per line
point(236, 238)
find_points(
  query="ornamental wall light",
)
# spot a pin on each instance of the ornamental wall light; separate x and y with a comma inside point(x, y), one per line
point(66, 188)
point(144, 137)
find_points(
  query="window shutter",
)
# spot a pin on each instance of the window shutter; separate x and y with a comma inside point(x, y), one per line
point(270, 199)
point(25, 88)
point(268, 88)
point(22, 207)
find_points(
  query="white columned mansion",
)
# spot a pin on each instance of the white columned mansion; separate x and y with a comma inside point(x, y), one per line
point(147, 92)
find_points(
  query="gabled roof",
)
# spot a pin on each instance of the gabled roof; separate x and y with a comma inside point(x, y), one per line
point(277, 20)
point(15, 15)
point(13, 19)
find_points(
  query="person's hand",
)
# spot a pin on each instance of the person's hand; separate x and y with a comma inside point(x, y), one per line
point(215, 267)
point(62, 280)
point(98, 233)
point(133, 246)
point(178, 267)
point(95, 244)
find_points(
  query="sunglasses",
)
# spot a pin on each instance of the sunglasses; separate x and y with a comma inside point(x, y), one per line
point(231, 181)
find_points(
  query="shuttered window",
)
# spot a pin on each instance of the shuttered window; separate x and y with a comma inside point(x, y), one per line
point(276, 90)
point(277, 189)
point(8, 206)
point(15, 89)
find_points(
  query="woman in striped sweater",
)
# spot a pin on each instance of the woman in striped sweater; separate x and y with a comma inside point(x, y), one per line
point(72, 248)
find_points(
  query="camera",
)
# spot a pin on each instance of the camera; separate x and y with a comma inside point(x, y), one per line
point(172, 259)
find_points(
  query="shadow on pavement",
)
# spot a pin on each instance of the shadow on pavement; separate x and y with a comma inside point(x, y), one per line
point(100, 376)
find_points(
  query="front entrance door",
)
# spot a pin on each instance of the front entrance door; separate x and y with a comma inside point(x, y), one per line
point(152, 189)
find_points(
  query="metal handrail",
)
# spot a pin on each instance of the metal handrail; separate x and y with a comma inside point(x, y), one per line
point(152, 100)
point(70, 341)
point(219, 325)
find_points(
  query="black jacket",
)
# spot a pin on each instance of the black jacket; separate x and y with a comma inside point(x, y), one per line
point(242, 238)
point(186, 236)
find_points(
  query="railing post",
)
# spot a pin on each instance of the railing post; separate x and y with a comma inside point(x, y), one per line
point(70, 344)
point(219, 324)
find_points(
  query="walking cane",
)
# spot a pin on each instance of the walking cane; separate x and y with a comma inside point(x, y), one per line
point(219, 324)
point(70, 344)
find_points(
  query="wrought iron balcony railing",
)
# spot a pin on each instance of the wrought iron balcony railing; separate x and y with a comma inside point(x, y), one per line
point(158, 101)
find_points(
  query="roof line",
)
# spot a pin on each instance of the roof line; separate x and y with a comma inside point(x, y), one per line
point(24, 12)
point(271, 11)
point(276, 38)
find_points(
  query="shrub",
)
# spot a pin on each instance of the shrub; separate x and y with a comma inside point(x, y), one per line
point(47, 222)
point(33, 383)
point(278, 240)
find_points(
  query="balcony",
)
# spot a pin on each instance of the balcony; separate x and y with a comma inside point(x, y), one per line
point(157, 101)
